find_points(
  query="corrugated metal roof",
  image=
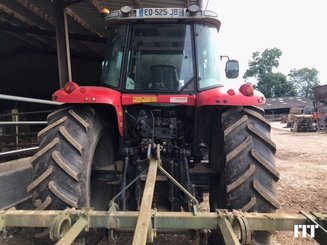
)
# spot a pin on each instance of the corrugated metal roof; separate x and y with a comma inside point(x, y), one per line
point(146, 3)
point(32, 22)
point(287, 102)
point(86, 11)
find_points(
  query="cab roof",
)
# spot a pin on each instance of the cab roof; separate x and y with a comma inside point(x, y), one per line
point(161, 15)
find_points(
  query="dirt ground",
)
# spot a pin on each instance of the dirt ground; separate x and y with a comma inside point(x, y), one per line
point(301, 159)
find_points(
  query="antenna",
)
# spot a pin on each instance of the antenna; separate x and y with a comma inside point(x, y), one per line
point(207, 4)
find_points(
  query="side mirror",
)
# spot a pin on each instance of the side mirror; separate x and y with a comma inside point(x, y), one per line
point(232, 69)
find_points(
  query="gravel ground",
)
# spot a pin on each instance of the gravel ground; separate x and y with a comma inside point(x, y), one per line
point(302, 161)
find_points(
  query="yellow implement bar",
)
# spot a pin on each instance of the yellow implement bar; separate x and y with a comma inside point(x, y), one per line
point(144, 217)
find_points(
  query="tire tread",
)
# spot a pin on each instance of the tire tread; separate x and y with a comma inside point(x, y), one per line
point(51, 126)
point(40, 179)
point(64, 166)
point(61, 167)
point(54, 188)
point(249, 175)
point(44, 150)
point(246, 175)
point(79, 119)
point(45, 204)
point(266, 164)
point(70, 139)
point(265, 194)
point(238, 150)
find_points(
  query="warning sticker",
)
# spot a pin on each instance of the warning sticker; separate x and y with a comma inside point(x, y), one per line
point(143, 99)
point(178, 100)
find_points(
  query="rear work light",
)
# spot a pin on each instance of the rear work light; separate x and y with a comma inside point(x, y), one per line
point(70, 87)
point(193, 9)
point(126, 10)
point(247, 89)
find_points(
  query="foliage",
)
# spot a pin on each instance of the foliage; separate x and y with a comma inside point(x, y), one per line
point(269, 83)
point(275, 85)
point(263, 63)
point(304, 80)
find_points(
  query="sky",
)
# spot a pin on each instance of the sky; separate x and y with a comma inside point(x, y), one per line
point(297, 27)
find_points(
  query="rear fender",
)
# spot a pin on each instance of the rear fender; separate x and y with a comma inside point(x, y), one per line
point(93, 95)
point(222, 96)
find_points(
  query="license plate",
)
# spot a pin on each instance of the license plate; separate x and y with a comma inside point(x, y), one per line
point(161, 12)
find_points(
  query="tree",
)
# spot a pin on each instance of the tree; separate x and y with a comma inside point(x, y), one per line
point(263, 63)
point(304, 80)
point(276, 85)
point(269, 83)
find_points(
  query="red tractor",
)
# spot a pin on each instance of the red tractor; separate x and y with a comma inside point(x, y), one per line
point(163, 89)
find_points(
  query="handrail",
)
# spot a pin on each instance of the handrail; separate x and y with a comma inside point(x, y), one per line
point(23, 123)
point(18, 123)
point(30, 100)
point(13, 152)
point(25, 113)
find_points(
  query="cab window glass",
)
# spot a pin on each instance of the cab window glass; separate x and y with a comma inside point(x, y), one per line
point(160, 58)
point(210, 66)
point(112, 64)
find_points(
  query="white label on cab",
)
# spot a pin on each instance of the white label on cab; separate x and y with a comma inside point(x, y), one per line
point(178, 100)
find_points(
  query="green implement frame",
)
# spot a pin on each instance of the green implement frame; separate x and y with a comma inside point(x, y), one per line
point(235, 226)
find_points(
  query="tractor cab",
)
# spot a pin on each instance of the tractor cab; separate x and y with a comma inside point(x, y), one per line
point(166, 50)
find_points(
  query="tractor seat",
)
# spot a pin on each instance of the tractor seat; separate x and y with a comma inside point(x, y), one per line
point(163, 77)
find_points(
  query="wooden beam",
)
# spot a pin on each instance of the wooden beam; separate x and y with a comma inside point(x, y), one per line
point(16, 19)
point(96, 5)
point(37, 11)
point(78, 45)
point(19, 19)
point(36, 31)
point(16, 15)
point(27, 13)
point(80, 21)
point(48, 19)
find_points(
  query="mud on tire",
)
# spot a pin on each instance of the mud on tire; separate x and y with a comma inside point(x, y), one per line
point(75, 139)
point(246, 164)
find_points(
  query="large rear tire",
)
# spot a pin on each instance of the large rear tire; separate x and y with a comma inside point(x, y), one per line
point(244, 159)
point(76, 140)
